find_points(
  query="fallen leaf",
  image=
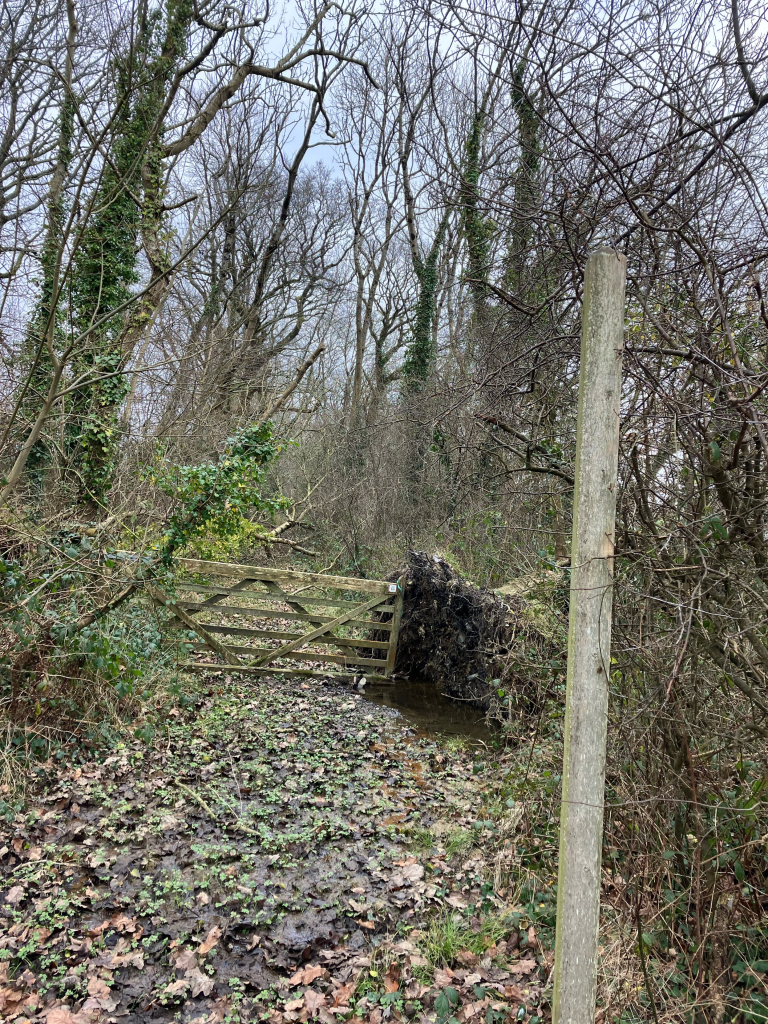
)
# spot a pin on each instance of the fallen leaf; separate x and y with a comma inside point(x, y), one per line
point(533, 942)
point(295, 1004)
point(413, 872)
point(467, 958)
point(201, 984)
point(313, 1001)
point(210, 940)
point(15, 895)
point(59, 1015)
point(131, 959)
point(177, 987)
point(456, 901)
point(306, 975)
point(35, 853)
point(93, 1006)
point(524, 967)
point(366, 924)
point(415, 990)
point(342, 994)
point(9, 1000)
point(98, 988)
point(514, 994)
point(186, 959)
point(119, 922)
point(392, 978)
point(122, 923)
point(443, 978)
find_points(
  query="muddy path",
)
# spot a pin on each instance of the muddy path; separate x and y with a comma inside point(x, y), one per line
point(282, 850)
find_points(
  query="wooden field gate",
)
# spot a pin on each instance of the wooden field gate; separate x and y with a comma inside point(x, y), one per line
point(261, 604)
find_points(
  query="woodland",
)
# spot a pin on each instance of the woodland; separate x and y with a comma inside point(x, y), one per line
point(301, 286)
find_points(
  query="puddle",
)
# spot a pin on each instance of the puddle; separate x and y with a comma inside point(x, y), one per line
point(425, 708)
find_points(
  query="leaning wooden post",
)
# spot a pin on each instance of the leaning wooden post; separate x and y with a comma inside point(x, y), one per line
point(589, 639)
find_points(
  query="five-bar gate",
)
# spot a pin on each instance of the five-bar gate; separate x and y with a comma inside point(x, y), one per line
point(285, 621)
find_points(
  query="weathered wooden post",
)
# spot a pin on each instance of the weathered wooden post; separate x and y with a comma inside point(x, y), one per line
point(589, 638)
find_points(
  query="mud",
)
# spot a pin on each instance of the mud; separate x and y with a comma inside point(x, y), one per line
point(271, 825)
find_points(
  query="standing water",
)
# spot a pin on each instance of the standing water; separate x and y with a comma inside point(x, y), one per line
point(425, 708)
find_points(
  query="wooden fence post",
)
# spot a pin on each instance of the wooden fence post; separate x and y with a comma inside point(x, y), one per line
point(589, 639)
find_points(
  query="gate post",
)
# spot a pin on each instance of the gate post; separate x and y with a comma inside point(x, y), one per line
point(589, 639)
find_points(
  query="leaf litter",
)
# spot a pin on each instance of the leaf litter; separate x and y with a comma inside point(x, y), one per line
point(259, 863)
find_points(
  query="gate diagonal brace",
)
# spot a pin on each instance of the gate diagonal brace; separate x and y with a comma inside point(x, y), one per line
point(281, 652)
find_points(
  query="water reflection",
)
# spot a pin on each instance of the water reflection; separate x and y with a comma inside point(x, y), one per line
point(424, 707)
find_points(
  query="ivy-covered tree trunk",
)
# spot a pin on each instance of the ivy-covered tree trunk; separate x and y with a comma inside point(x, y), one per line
point(127, 206)
point(421, 353)
point(477, 230)
point(526, 183)
point(44, 327)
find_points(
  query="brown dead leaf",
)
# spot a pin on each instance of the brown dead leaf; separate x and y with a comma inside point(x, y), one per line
point(210, 940)
point(415, 990)
point(456, 901)
point(35, 853)
point(295, 1004)
point(342, 994)
point(201, 984)
point(123, 923)
point(392, 978)
point(177, 987)
point(93, 1006)
point(98, 988)
point(366, 924)
point(9, 1001)
point(313, 1001)
point(413, 872)
point(523, 967)
point(118, 922)
point(467, 958)
point(129, 959)
point(306, 975)
point(533, 942)
point(15, 895)
point(444, 978)
point(60, 1015)
point(513, 994)
point(185, 960)
point(375, 1016)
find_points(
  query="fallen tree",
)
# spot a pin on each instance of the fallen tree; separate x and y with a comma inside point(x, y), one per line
point(452, 634)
